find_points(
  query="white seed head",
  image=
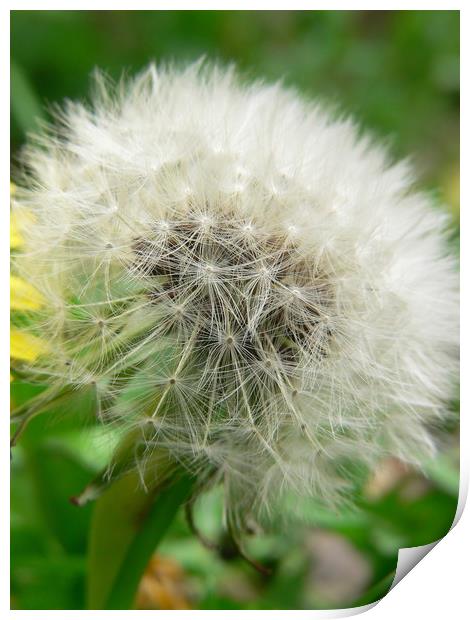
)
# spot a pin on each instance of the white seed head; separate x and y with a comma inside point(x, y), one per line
point(246, 279)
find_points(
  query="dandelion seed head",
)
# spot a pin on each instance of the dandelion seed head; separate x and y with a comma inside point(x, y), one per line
point(243, 277)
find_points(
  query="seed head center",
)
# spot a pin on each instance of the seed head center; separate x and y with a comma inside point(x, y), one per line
point(235, 285)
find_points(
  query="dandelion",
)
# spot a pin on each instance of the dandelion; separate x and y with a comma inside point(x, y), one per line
point(245, 281)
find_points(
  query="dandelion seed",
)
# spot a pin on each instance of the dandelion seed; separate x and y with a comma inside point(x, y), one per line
point(250, 282)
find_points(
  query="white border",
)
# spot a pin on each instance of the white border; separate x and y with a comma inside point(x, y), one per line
point(437, 586)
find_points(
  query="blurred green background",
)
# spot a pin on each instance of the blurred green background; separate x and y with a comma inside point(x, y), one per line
point(398, 74)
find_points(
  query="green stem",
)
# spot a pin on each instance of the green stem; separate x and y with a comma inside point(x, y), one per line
point(154, 526)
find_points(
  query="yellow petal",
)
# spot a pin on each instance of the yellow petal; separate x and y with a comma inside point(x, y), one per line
point(26, 347)
point(15, 237)
point(23, 296)
point(19, 219)
point(16, 240)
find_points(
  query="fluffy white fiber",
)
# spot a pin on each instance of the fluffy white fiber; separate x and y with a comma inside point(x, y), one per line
point(242, 276)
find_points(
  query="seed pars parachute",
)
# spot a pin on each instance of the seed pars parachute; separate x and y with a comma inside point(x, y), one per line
point(243, 278)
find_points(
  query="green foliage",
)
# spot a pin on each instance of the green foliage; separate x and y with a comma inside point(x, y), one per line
point(48, 533)
point(25, 107)
point(397, 71)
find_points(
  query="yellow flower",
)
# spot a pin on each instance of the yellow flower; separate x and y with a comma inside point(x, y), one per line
point(18, 220)
point(23, 296)
point(26, 347)
point(15, 236)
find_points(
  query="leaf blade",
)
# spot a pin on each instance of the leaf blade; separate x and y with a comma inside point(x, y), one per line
point(26, 107)
point(128, 523)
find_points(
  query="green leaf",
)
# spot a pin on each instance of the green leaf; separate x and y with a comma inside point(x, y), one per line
point(25, 105)
point(58, 474)
point(48, 534)
point(49, 582)
point(127, 525)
